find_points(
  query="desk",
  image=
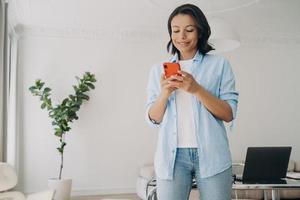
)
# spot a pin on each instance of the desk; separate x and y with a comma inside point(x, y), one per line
point(291, 184)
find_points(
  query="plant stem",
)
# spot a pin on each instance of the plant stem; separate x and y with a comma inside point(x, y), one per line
point(61, 165)
point(61, 160)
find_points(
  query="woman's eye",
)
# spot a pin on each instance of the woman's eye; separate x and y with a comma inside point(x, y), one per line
point(175, 31)
point(191, 30)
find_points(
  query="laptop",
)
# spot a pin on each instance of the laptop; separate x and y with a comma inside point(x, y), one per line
point(266, 165)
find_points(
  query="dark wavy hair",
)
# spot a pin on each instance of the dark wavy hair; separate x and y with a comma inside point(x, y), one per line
point(202, 25)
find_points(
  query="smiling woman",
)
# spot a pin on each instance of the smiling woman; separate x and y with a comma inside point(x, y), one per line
point(189, 110)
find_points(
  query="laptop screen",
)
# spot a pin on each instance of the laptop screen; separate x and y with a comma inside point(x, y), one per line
point(266, 163)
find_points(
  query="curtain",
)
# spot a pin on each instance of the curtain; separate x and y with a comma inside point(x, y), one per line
point(8, 89)
point(3, 78)
point(13, 102)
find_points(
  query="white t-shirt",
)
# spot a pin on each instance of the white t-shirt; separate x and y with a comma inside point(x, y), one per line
point(185, 118)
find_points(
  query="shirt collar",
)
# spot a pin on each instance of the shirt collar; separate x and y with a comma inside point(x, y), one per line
point(198, 57)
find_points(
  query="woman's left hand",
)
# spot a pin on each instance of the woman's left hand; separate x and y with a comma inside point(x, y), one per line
point(219, 108)
point(185, 82)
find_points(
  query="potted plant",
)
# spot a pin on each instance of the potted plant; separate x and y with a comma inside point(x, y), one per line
point(62, 115)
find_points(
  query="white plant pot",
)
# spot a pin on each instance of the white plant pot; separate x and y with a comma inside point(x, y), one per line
point(62, 188)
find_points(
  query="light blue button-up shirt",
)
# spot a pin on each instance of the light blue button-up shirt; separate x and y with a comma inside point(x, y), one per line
point(214, 73)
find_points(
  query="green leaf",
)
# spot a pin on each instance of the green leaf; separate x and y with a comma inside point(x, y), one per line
point(84, 88)
point(32, 88)
point(58, 134)
point(74, 108)
point(65, 101)
point(39, 84)
point(91, 85)
point(93, 78)
point(63, 144)
point(49, 104)
point(60, 150)
point(43, 105)
point(84, 96)
point(72, 97)
point(75, 88)
point(46, 90)
point(64, 126)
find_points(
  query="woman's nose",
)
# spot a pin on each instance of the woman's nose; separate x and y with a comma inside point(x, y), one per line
point(182, 35)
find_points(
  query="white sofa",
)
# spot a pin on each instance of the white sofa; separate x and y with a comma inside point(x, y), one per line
point(8, 180)
point(146, 174)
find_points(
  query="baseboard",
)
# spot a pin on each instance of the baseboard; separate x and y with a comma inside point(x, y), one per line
point(102, 191)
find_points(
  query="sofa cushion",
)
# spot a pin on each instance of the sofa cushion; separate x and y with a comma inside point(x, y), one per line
point(291, 166)
point(147, 171)
point(297, 166)
point(8, 177)
point(238, 167)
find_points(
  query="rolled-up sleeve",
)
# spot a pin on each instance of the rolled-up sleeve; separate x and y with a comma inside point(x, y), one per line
point(228, 92)
point(153, 89)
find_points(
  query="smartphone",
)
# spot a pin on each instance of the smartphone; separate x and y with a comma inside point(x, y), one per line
point(171, 69)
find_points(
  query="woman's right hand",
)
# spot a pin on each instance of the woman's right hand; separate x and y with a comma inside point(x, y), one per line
point(157, 110)
point(166, 88)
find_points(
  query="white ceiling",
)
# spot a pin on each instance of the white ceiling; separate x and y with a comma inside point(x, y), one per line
point(97, 13)
point(262, 18)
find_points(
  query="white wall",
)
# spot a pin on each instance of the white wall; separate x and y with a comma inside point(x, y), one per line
point(110, 140)
point(268, 112)
point(266, 68)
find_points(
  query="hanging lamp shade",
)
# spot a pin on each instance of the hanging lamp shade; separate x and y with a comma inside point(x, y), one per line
point(223, 37)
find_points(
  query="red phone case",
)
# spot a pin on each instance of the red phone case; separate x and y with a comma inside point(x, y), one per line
point(171, 69)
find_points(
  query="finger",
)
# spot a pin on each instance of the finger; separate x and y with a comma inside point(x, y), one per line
point(175, 84)
point(172, 81)
point(177, 78)
point(170, 86)
point(162, 77)
point(183, 73)
point(165, 81)
point(171, 78)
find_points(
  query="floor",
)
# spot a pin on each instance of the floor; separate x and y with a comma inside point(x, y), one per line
point(108, 197)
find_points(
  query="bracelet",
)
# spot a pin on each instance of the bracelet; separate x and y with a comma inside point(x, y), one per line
point(152, 120)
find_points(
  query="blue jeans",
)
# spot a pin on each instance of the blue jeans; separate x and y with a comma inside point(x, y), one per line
point(217, 187)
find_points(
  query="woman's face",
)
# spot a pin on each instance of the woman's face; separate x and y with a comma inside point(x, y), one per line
point(184, 34)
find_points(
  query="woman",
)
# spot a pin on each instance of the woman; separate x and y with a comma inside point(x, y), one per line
point(189, 110)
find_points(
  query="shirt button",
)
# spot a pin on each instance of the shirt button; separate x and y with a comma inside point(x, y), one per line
point(173, 151)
